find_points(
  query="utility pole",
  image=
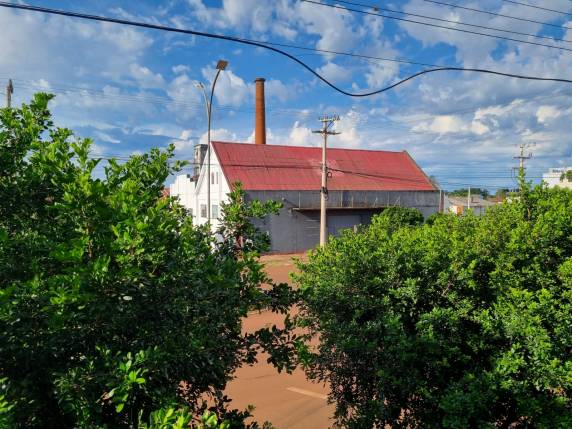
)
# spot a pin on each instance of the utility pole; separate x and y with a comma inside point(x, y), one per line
point(327, 122)
point(469, 198)
point(521, 158)
point(9, 92)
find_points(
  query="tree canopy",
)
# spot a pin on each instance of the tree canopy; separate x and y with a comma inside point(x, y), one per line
point(463, 192)
point(461, 322)
point(114, 309)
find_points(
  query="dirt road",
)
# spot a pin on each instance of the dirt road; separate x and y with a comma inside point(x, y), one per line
point(288, 401)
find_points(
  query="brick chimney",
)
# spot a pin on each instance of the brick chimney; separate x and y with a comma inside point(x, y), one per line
point(260, 119)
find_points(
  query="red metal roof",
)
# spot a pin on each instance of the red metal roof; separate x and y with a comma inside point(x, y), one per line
point(275, 167)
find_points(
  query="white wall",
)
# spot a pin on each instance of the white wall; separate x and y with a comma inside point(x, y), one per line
point(184, 189)
point(193, 196)
point(552, 178)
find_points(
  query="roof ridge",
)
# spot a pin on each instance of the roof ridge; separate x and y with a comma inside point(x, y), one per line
point(312, 147)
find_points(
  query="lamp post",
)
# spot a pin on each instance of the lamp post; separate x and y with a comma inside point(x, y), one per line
point(220, 66)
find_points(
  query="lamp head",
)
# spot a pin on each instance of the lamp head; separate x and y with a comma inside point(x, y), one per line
point(221, 64)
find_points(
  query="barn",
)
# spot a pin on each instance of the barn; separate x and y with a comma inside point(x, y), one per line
point(361, 184)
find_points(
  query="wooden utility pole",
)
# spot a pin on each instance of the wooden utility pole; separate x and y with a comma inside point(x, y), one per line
point(327, 122)
point(523, 157)
point(9, 92)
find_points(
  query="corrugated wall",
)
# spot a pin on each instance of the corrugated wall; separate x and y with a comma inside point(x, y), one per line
point(296, 228)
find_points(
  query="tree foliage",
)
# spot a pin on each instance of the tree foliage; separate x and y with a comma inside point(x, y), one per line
point(463, 192)
point(112, 304)
point(463, 322)
point(566, 176)
point(402, 216)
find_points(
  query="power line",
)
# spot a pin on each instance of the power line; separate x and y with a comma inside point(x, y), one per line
point(484, 27)
point(536, 7)
point(500, 15)
point(155, 100)
point(412, 21)
point(271, 48)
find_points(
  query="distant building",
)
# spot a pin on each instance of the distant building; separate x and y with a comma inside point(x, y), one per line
point(460, 205)
point(557, 177)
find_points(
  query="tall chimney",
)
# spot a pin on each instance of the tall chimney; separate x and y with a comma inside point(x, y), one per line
point(260, 120)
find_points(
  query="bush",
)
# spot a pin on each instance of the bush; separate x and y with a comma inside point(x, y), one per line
point(112, 304)
point(402, 216)
point(461, 323)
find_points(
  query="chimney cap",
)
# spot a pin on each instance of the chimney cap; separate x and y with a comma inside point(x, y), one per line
point(259, 79)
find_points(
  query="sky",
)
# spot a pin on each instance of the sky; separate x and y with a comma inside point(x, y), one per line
point(132, 89)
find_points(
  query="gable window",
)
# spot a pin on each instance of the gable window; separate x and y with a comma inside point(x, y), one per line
point(203, 210)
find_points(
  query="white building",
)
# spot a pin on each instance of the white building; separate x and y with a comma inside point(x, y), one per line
point(191, 189)
point(554, 177)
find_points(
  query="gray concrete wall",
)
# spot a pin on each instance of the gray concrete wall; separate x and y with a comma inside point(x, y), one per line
point(297, 227)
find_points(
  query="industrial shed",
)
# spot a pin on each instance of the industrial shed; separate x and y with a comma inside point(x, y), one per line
point(361, 184)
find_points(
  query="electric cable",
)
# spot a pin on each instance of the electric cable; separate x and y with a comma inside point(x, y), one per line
point(536, 7)
point(271, 48)
point(484, 27)
point(500, 15)
point(510, 39)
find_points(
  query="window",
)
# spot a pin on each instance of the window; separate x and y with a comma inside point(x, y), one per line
point(203, 210)
point(214, 211)
point(214, 178)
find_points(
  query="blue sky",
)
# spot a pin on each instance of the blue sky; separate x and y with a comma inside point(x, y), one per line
point(131, 89)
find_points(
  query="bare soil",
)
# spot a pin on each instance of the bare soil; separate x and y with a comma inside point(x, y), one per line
point(288, 401)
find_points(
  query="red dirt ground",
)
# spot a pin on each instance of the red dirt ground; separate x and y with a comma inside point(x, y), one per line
point(288, 401)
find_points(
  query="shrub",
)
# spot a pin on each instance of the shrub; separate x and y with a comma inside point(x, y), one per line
point(402, 216)
point(461, 323)
point(112, 304)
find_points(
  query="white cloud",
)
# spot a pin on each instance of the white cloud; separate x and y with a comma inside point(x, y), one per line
point(274, 88)
point(442, 125)
point(97, 49)
point(100, 135)
point(251, 16)
point(146, 78)
point(219, 134)
point(231, 90)
point(545, 113)
point(334, 72)
point(300, 135)
point(180, 69)
point(184, 88)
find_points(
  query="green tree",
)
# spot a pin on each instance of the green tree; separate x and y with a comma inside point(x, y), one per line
point(464, 322)
point(502, 193)
point(566, 176)
point(402, 216)
point(112, 304)
point(463, 192)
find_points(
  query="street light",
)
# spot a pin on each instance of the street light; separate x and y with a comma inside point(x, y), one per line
point(220, 66)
